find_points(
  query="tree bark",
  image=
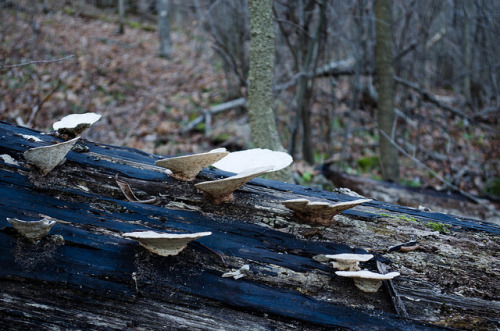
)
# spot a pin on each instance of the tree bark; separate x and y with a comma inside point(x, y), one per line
point(263, 128)
point(164, 29)
point(467, 57)
point(385, 72)
point(121, 14)
point(94, 278)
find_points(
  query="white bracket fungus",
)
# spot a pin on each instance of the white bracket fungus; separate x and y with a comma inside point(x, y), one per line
point(348, 261)
point(187, 167)
point(74, 124)
point(164, 244)
point(240, 161)
point(221, 190)
point(367, 281)
point(237, 274)
point(247, 164)
point(321, 213)
point(8, 159)
point(34, 230)
point(47, 158)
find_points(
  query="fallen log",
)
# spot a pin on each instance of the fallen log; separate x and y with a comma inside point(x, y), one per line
point(85, 274)
point(448, 201)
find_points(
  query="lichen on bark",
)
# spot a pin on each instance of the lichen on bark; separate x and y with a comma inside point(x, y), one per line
point(261, 115)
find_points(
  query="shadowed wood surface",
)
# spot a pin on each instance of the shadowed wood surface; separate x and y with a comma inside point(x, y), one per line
point(97, 279)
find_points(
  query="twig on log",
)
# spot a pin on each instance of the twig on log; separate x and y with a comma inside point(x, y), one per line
point(127, 192)
point(211, 251)
point(396, 299)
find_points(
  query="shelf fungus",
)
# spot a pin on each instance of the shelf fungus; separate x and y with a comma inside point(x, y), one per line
point(247, 165)
point(187, 167)
point(33, 230)
point(367, 281)
point(221, 190)
point(320, 213)
point(74, 124)
point(347, 261)
point(237, 274)
point(164, 244)
point(240, 161)
point(47, 158)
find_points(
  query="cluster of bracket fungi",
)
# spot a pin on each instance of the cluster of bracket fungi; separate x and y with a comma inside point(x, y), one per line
point(246, 165)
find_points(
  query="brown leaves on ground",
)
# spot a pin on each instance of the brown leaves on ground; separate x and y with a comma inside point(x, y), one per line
point(146, 100)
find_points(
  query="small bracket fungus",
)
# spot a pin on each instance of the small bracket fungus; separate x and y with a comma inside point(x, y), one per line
point(367, 281)
point(321, 213)
point(240, 273)
point(238, 162)
point(47, 158)
point(348, 261)
point(74, 124)
point(164, 244)
point(35, 230)
point(187, 167)
point(221, 190)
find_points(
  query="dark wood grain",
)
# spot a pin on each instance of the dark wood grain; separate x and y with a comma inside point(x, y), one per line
point(97, 279)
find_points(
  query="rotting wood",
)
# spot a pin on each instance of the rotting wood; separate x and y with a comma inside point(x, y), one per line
point(106, 279)
point(425, 198)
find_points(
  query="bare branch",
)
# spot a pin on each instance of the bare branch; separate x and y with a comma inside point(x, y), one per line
point(38, 107)
point(207, 113)
point(430, 97)
point(3, 67)
point(437, 176)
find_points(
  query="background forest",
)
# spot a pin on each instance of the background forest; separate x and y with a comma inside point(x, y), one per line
point(192, 98)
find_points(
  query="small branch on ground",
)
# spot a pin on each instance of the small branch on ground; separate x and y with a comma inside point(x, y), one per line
point(39, 106)
point(430, 97)
point(437, 176)
point(207, 113)
point(4, 67)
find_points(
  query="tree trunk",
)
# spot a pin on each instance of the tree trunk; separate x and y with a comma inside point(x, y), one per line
point(86, 275)
point(121, 13)
point(467, 59)
point(385, 72)
point(308, 50)
point(260, 99)
point(164, 29)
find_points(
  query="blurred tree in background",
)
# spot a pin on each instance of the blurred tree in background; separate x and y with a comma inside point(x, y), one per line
point(326, 91)
point(385, 86)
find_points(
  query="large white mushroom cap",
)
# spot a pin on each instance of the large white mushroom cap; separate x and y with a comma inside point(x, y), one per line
point(187, 167)
point(347, 261)
point(367, 281)
point(238, 162)
point(221, 190)
point(75, 124)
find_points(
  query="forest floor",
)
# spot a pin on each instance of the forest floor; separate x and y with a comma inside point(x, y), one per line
point(146, 101)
